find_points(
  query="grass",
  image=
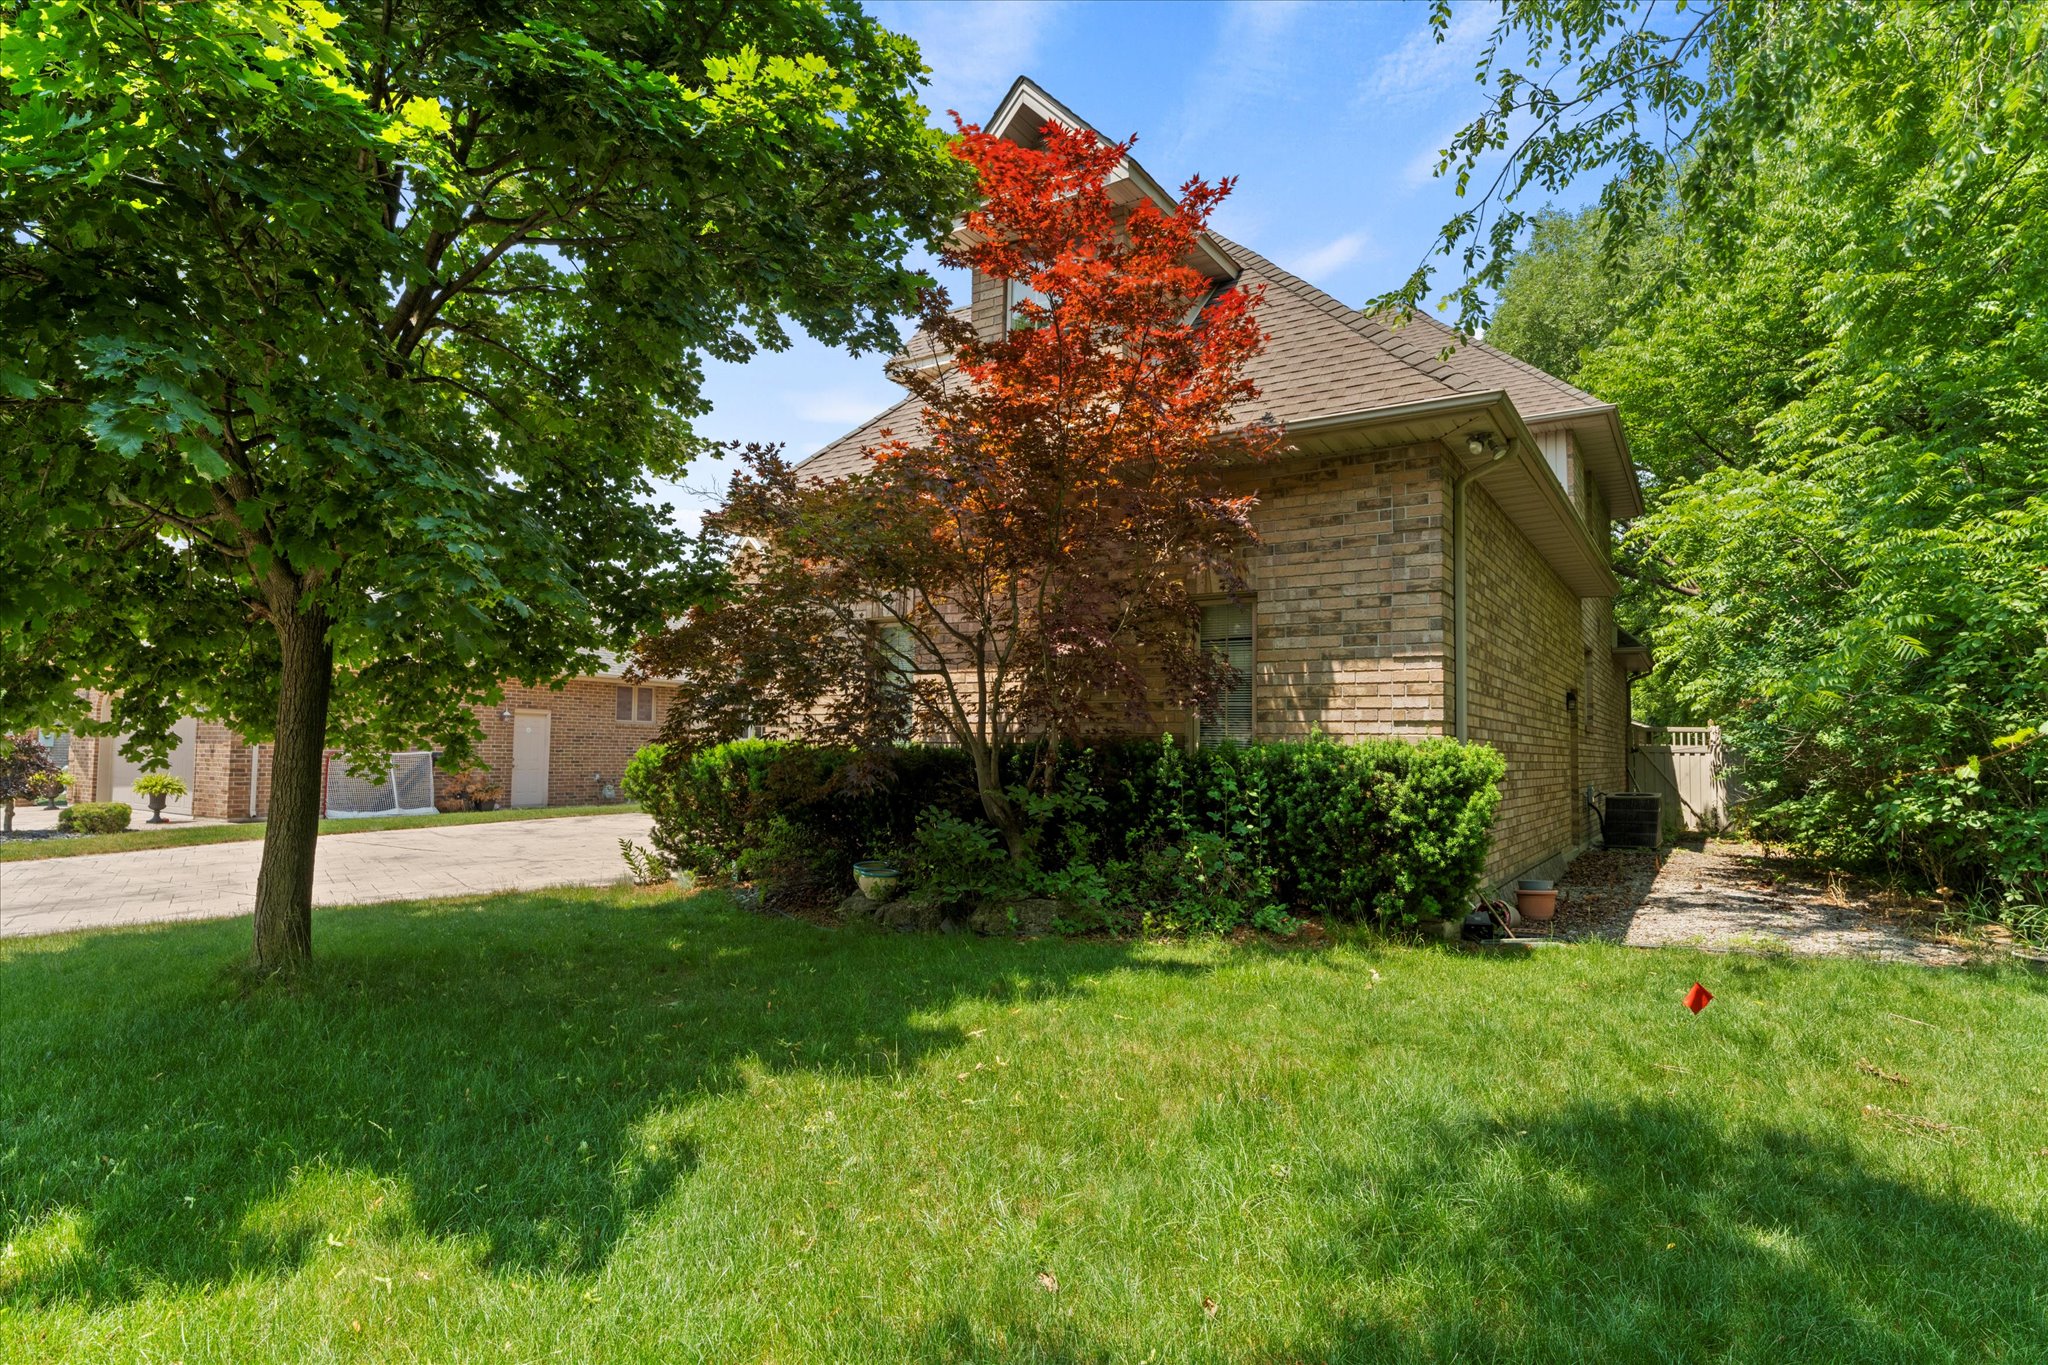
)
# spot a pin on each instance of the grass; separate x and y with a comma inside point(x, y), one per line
point(626, 1126)
point(185, 836)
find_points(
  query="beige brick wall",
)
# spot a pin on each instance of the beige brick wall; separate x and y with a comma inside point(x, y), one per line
point(1351, 596)
point(1526, 654)
point(985, 302)
point(87, 751)
point(588, 749)
point(1603, 737)
point(1352, 610)
point(588, 745)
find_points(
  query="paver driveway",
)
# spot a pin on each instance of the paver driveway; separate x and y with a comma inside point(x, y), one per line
point(216, 880)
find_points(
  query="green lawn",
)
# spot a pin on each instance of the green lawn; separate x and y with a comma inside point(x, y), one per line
point(184, 836)
point(627, 1126)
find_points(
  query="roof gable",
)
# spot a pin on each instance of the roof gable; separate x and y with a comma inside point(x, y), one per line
point(1323, 359)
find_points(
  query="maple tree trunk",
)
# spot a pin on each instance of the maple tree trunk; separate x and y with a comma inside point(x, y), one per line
point(995, 802)
point(8, 828)
point(284, 882)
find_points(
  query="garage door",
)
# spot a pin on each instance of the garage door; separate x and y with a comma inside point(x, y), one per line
point(126, 770)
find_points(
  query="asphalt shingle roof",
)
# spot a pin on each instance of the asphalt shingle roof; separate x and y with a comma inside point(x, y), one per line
point(1322, 358)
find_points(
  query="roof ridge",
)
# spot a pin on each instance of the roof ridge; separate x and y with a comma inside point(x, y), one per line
point(1480, 343)
point(1336, 308)
point(874, 424)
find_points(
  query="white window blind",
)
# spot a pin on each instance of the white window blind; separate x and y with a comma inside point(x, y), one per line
point(1227, 629)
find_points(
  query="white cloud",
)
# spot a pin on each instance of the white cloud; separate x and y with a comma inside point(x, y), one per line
point(975, 48)
point(1421, 68)
point(1256, 54)
point(1332, 256)
point(1421, 168)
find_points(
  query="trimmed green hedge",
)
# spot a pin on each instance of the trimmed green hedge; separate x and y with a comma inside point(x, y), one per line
point(1381, 829)
point(95, 817)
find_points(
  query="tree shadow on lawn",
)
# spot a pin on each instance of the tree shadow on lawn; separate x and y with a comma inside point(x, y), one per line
point(1658, 1231)
point(512, 1068)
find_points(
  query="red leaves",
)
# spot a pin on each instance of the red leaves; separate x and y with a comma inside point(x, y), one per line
point(1034, 541)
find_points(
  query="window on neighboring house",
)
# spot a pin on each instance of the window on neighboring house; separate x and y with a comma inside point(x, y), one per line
point(899, 656)
point(1016, 292)
point(636, 704)
point(1227, 629)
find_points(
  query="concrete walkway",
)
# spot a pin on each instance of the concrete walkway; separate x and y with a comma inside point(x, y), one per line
point(213, 881)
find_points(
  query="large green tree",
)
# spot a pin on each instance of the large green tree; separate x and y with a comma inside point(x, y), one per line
point(344, 341)
point(1840, 390)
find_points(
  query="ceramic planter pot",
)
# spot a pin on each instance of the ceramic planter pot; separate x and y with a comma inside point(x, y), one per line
point(156, 809)
point(1536, 900)
point(877, 880)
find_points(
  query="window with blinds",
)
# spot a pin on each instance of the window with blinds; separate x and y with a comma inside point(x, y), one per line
point(636, 704)
point(1227, 629)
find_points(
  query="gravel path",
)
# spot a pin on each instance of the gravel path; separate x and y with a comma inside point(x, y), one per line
point(1728, 897)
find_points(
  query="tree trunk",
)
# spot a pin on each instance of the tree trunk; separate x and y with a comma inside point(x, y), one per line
point(8, 828)
point(995, 802)
point(284, 883)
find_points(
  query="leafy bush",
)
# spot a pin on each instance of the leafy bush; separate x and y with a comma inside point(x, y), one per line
point(952, 859)
point(470, 789)
point(95, 817)
point(1150, 832)
point(160, 784)
point(1199, 883)
point(644, 866)
point(723, 811)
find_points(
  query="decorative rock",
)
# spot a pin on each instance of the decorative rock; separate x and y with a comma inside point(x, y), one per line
point(911, 914)
point(857, 907)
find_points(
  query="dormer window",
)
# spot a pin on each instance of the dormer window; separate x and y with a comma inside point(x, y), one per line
point(1019, 291)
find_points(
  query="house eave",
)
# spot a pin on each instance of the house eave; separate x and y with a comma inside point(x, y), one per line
point(1612, 462)
point(1522, 485)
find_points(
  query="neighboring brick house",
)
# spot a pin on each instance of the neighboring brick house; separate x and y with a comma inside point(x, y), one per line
point(1415, 484)
point(561, 746)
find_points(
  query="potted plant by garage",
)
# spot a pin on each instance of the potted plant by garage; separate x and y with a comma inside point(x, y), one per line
point(50, 788)
point(159, 788)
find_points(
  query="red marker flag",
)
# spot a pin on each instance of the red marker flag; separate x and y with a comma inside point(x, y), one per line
point(1696, 999)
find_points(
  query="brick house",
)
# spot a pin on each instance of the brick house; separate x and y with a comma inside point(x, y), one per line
point(1435, 542)
point(559, 746)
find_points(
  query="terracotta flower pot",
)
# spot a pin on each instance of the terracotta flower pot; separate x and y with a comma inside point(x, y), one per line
point(1536, 900)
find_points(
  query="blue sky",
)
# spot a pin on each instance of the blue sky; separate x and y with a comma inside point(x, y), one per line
point(1330, 115)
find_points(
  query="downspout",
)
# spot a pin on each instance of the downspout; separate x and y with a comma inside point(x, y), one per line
point(1478, 444)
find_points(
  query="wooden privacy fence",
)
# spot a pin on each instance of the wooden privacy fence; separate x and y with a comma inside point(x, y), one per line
point(1689, 767)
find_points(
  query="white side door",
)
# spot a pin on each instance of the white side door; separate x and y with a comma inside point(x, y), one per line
point(531, 735)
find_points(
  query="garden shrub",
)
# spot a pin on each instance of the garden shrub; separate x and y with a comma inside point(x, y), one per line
point(1148, 833)
point(95, 817)
point(951, 859)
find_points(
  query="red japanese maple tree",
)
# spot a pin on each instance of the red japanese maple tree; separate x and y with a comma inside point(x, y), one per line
point(1014, 571)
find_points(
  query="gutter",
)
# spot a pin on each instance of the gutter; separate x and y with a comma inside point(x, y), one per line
point(1427, 407)
point(1460, 692)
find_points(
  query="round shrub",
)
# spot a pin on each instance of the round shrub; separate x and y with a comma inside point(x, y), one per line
point(95, 817)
